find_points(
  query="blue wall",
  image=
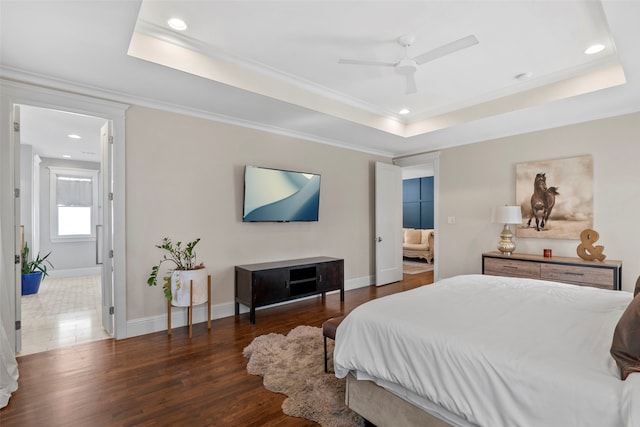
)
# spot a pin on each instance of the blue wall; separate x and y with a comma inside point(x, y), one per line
point(417, 203)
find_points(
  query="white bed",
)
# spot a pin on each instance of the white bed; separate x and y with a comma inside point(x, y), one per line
point(495, 351)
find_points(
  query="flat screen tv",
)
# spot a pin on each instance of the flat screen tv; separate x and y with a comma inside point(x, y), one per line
point(275, 195)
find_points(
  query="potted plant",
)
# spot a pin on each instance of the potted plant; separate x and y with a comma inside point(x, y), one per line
point(33, 271)
point(186, 269)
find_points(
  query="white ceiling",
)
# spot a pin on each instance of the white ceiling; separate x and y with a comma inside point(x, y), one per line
point(274, 65)
point(48, 132)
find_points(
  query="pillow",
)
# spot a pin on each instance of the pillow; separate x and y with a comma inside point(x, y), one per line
point(625, 347)
point(412, 236)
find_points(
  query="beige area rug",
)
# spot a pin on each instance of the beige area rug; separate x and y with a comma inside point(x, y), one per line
point(293, 365)
point(415, 267)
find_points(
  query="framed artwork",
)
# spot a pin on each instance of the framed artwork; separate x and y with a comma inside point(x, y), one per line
point(556, 197)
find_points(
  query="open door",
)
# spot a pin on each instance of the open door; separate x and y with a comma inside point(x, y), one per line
point(388, 206)
point(18, 230)
point(104, 231)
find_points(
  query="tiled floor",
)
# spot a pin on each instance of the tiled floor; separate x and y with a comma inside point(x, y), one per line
point(65, 311)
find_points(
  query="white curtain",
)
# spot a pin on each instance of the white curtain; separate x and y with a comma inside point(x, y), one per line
point(8, 362)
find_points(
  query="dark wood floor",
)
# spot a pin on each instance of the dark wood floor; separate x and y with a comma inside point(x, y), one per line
point(155, 380)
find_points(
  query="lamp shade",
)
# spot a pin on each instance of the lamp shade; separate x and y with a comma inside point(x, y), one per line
point(507, 215)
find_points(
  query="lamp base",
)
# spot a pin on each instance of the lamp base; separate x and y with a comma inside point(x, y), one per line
point(506, 245)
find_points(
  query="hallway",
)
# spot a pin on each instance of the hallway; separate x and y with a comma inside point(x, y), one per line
point(64, 312)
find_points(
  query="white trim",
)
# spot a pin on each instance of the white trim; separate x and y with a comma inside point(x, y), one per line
point(31, 78)
point(151, 324)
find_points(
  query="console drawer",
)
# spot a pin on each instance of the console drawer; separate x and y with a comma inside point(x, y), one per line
point(578, 275)
point(511, 268)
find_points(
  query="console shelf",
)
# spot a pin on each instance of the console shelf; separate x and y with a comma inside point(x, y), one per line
point(257, 285)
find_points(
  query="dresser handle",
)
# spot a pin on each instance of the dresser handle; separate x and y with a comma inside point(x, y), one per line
point(513, 267)
point(568, 273)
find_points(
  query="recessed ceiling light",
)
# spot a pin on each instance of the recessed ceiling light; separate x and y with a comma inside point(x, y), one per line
point(404, 111)
point(177, 24)
point(66, 156)
point(74, 136)
point(595, 48)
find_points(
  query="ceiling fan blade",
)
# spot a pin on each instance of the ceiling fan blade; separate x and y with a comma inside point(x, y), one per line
point(411, 84)
point(359, 62)
point(446, 49)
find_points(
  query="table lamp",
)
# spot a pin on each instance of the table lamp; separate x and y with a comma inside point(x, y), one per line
point(507, 215)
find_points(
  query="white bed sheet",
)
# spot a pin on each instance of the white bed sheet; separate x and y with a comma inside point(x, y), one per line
point(497, 351)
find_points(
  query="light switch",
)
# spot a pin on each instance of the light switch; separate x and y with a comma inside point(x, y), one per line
point(451, 220)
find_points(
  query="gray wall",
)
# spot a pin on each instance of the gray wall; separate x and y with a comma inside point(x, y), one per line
point(185, 177)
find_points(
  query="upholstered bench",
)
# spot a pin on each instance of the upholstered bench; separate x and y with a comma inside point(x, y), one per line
point(329, 328)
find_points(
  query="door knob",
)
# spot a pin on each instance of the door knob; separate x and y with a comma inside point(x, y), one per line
point(379, 239)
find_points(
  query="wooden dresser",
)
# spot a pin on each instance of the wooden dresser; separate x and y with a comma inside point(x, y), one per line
point(605, 275)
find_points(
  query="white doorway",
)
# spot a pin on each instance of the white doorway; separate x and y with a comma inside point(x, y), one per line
point(15, 94)
point(420, 165)
point(62, 154)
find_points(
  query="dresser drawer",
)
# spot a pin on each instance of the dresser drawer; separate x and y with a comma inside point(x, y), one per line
point(578, 275)
point(511, 268)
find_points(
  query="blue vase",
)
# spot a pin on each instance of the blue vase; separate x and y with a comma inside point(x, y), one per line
point(31, 283)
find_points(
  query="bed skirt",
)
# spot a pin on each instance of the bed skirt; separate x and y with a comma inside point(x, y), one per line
point(383, 408)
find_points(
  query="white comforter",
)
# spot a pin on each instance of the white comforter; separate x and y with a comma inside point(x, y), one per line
point(497, 351)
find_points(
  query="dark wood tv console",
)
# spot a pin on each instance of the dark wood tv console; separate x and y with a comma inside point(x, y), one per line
point(268, 283)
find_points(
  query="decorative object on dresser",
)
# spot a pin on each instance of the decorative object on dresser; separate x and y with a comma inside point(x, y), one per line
point(257, 285)
point(549, 213)
point(605, 275)
point(507, 215)
point(187, 285)
point(586, 250)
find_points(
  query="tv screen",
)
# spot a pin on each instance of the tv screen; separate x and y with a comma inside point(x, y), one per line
point(275, 195)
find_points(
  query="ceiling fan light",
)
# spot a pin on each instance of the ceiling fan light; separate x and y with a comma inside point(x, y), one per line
point(594, 48)
point(177, 24)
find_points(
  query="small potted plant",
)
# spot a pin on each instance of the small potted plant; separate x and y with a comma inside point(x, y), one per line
point(33, 271)
point(176, 285)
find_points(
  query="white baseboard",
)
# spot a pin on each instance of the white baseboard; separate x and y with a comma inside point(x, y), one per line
point(74, 272)
point(148, 325)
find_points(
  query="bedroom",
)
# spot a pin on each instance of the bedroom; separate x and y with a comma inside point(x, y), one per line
point(221, 150)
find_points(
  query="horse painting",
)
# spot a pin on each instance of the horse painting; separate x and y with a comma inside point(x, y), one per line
point(542, 201)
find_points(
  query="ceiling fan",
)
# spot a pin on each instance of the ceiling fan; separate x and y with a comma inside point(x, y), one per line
point(407, 66)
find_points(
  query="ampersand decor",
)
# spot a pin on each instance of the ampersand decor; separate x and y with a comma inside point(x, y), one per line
point(586, 250)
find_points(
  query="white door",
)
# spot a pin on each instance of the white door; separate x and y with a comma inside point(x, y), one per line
point(388, 206)
point(18, 228)
point(104, 230)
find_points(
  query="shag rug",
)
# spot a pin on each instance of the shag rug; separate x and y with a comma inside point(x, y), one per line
point(293, 365)
point(416, 267)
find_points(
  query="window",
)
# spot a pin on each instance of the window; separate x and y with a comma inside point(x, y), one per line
point(74, 204)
